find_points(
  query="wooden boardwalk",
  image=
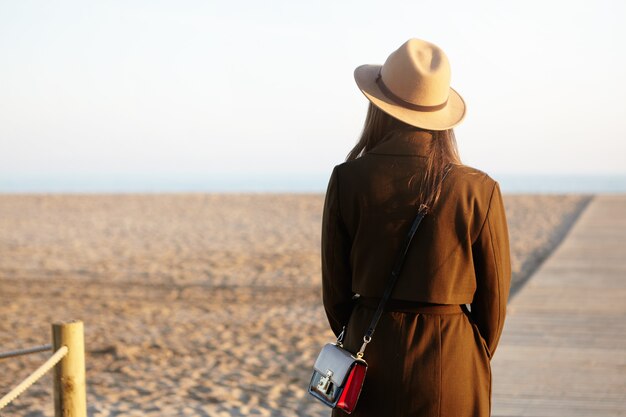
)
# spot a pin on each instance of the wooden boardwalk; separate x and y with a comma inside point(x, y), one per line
point(563, 350)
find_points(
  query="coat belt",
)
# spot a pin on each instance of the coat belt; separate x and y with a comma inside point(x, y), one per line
point(409, 306)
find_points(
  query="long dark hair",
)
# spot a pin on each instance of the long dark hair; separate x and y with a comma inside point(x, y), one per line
point(442, 149)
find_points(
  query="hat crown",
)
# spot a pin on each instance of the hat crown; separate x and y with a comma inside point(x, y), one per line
point(418, 72)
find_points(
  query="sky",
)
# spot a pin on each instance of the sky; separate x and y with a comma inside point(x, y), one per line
point(215, 91)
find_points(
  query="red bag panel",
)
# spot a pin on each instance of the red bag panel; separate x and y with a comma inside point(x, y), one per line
point(350, 395)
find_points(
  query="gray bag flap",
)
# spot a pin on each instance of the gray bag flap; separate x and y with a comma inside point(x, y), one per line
point(337, 360)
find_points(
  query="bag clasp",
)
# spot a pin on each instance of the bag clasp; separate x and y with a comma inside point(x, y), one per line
point(324, 383)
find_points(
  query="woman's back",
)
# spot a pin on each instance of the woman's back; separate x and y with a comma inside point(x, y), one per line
point(377, 205)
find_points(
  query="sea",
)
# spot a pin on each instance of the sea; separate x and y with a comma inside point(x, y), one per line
point(280, 183)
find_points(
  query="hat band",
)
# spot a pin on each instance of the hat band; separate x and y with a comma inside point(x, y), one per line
point(407, 104)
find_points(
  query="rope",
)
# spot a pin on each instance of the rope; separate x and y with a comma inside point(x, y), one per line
point(26, 351)
point(32, 378)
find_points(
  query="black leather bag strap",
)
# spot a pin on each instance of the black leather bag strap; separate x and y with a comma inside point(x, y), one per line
point(395, 273)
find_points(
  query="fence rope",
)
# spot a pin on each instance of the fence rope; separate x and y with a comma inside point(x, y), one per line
point(20, 352)
point(32, 378)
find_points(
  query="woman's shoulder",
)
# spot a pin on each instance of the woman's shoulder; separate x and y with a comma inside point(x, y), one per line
point(471, 176)
point(470, 184)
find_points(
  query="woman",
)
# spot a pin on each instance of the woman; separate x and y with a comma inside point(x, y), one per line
point(429, 356)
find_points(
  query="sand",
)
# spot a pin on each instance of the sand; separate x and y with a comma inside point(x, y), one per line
point(193, 304)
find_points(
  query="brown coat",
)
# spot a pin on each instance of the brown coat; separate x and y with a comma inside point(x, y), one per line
point(460, 255)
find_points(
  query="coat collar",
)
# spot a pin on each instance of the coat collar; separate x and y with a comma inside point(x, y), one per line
point(417, 144)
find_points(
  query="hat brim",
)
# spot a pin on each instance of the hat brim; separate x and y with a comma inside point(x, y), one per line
point(445, 118)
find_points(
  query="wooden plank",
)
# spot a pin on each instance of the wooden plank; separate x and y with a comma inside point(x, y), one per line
point(563, 349)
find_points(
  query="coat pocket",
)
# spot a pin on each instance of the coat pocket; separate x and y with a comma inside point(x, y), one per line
point(481, 340)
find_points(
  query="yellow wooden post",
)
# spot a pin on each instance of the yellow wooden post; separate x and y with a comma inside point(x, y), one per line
point(70, 396)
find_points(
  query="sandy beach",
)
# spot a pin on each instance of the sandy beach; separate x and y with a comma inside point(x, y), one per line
point(193, 304)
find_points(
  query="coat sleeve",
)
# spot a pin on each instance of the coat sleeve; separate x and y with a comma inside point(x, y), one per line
point(335, 255)
point(492, 264)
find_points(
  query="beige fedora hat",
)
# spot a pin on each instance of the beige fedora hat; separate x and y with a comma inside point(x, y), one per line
point(413, 85)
